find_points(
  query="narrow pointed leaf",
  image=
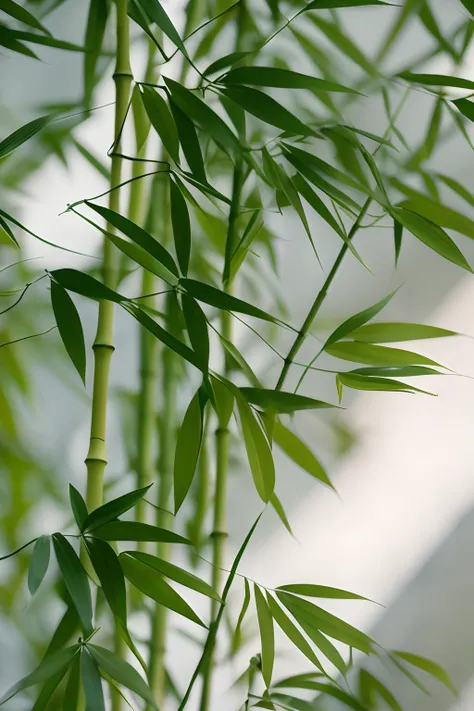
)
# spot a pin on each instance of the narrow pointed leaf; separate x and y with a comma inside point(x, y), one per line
point(316, 203)
point(299, 453)
point(441, 215)
point(321, 591)
point(281, 78)
point(397, 238)
point(110, 574)
point(236, 638)
point(267, 638)
point(189, 141)
point(92, 683)
point(121, 672)
point(39, 563)
point(281, 401)
point(80, 283)
point(370, 689)
point(437, 80)
point(357, 320)
point(393, 332)
point(266, 109)
point(377, 355)
point(223, 62)
point(75, 579)
point(23, 134)
point(181, 227)
point(21, 14)
point(220, 299)
point(465, 106)
point(401, 371)
point(156, 13)
point(428, 666)
point(113, 509)
point(73, 686)
point(332, 4)
point(69, 326)
point(78, 506)
point(292, 632)
point(143, 258)
point(134, 531)
point(280, 512)
point(258, 451)
point(320, 166)
point(335, 693)
point(365, 382)
point(95, 31)
point(162, 121)
point(196, 326)
point(188, 446)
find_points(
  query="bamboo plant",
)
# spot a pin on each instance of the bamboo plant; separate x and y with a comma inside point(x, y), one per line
point(227, 136)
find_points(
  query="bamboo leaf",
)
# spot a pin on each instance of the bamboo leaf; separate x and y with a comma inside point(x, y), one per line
point(152, 585)
point(138, 235)
point(317, 165)
point(239, 360)
point(78, 506)
point(50, 666)
point(69, 326)
point(134, 531)
point(403, 371)
point(39, 563)
point(281, 513)
point(73, 686)
point(20, 13)
point(370, 688)
point(188, 446)
point(465, 106)
point(437, 80)
point(377, 355)
point(353, 323)
point(196, 326)
point(236, 637)
point(156, 13)
point(162, 121)
point(46, 41)
point(294, 681)
point(267, 638)
point(393, 332)
point(397, 238)
point(112, 509)
point(330, 4)
point(321, 591)
point(281, 78)
point(336, 693)
point(110, 574)
point(84, 284)
point(95, 31)
point(441, 215)
point(364, 382)
point(299, 453)
point(223, 62)
point(75, 579)
point(179, 575)
point(221, 300)
point(428, 666)
point(92, 682)
point(181, 227)
point(258, 450)
point(189, 141)
point(121, 672)
point(457, 188)
point(344, 44)
point(292, 632)
point(23, 134)
point(280, 401)
point(317, 204)
point(143, 258)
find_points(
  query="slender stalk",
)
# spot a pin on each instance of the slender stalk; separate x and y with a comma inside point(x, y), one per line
point(318, 302)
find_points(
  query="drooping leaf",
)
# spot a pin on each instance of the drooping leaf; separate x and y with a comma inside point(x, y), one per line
point(69, 326)
point(316, 203)
point(92, 682)
point(321, 591)
point(138, 235)
point(110, 574)
point(45, 40)
point(336, 693)
point(143, 258)
point(181, 226)
point(39, 563)
point(95, 31)
point(371, 688)
point(21, 14)
point(135, 531)
point(162, 121)
point(281, 401)
point(343, 42)
point(152, 584)
point(84, 284)
point(267, 638)
point(75, 579)
point(188, 446)
point(189, 141)
point(457, 188)
point(377, 355)
point(317, 165)
point(397, 238)
point(258, 450)
point(281, 78)
point(196, 326)
point(239, 360)
point(223, 62)
point(121, 672)
point(73, 686)
point(179, 575)
point(357, 320)
point(157, 14)
point(113, 509)
point(437, 80)
point(428, 666)
point(294, 681)
point(236, 638)
point(299, 453)
point(23, 134)
point(292, 632)
point(393, 332)
point(366, 382)
point(220, 299)
point(78, 506)
point(280, 512)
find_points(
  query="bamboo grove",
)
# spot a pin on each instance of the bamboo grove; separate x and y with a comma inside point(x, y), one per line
point(226, 135)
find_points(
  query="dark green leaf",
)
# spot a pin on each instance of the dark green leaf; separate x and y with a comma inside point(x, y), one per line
point(121, 671)
point(181, 226)
point(75, 579)
point(95, 30)
point(21, 14)
point(8, 39)
point(281, 78)
point(299, 453)
point(321, 591)
point(143, 258)
point(196, 325)
point(83, 284)
point(220, 299)
point(47, 41)
point(292, 632)
point(73, 686)
point(189, 141)
point(131, 531)
point(224, 62)
point(317, 204)
point(376, 355)
point(466, 107)
point(267, 638)
point(138, 235)
point(188, 446)
point(357, 320)
point(113, 509)
point(428, 666)
point(258, 450)
point(110, 574)
point(23, 134)
point(397, 238)
point(78, 506)
point(437, 80)
point(317, 165)
point(393, 332)
point(179, 575)
point(162, 121)
point(39, 563)
point(280, 401)
point(364, 382)
point(92, 683)
point(153, 586)
point(156, 13)
point(69, 326)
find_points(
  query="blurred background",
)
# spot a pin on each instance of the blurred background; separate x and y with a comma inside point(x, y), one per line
point(400, 530)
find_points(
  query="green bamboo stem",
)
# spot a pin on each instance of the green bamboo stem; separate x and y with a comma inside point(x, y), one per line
point(320, 297)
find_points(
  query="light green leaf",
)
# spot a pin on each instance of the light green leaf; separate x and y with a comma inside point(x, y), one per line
point(299, 453)
point(179, 575)
point(162, 121)
point(329, 4)
point(342, 41)
point(181, 226)
point(371, 688)
point(75, 579)
point(281, 78)
point(336, 693)
point(122, 672)
point(393, 332)
point(281, 401)
point(134, 531)
point(321, 591)
point(428, 666)
point(188, 446)
point(110, 574)
point(377, 355)
point(153, 586)
point(83, 284)
point(220, 299)
point(23, 134)
point(39, 563)
point(281, 513)
point(357, 320)
point(294, 681)
point(292, 632)
point(457, 188)
point(69, 326)
point(258, 450)
point(267, 638)
point(224, 402)
point(441, 215)
point(317, 204)
point(113, 509)
point(437, 80)
point(402, 371)
point(239, 359)
point(50, 666)
point(365, 382)
point(78, 506)
point(236, 637)
point(92, 682)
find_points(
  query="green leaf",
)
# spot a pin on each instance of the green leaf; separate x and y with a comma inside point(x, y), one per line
point(80, 283)
point(364, 382)
point(352, 323)
point(377, 355)
point(121, 672)
point(95, 31)
point(393, 332)
point(428, 666)
point(465, 106)
point(281, 513)
point(113, 509)
point(432, 235)
point(321, 591)
point(224, 62)
point(138, 235)
point(143, 258)
point(110, 574)
point(329, 4)
point(188, 446)
point(266, 109)
point(179, 575)
point(73, 686)
point(294, 681)
point(78, 506)
point(336, 693)
point(397, 238)
point(69, 326)
point(457, 188)
point(258, 450)
point(39, 563)
point(23, 134)
point(317, 204)
point(221, 300)
point(50, 666)
point(162, 121)
point(317, 165)
point(292, 632)
point(299, 453)
point(437, 80)
point(21, 14)
point(344, 44)
point(156, 13)
point(403, 371)
point(281, 78)
point(236, 638)
point(440, 214)
point(75, 579)
point(8, 39)
point(132, 531)
point(267, 638)
point(189, 141)
point(46, 41)
point(181, 226)
point(239, 360)
point(196, 326)
point(92, 682)
point(370, 688)
point(280, 401)
point(202, 115)
point(153, 586)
